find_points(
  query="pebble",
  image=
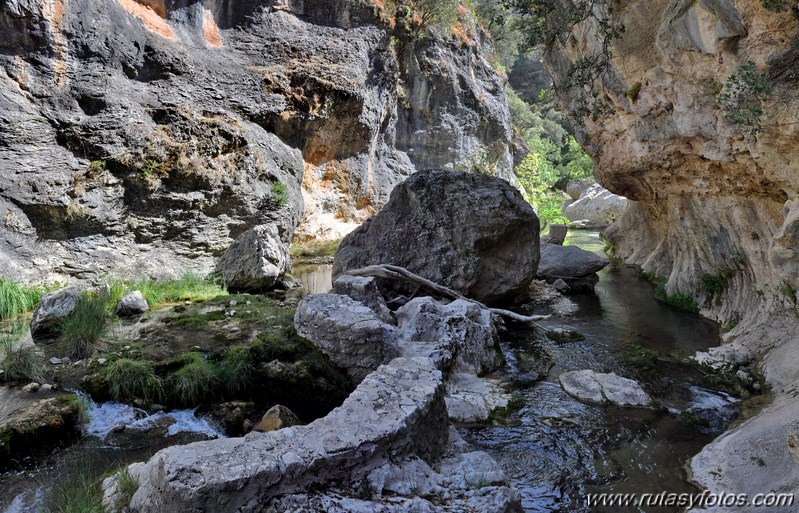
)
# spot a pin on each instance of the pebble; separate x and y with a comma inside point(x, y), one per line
point(102, 361)
point(56, 361)
point(249, 302)
point(31, 387)
point(187, 302)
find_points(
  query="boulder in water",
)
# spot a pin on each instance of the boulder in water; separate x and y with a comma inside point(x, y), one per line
point(604, 388)
point(571, 264)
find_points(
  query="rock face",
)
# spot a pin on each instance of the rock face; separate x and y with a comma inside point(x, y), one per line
point(255, 262)
point(132, 304)
point(710, 193)
point(401, 431)
point(149, 142)
point(52, 309)
point(597, 205)
point(575, 266)
point(470, 232)
point(601, 388)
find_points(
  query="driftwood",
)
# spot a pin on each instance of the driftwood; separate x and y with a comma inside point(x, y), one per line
point(394, 272)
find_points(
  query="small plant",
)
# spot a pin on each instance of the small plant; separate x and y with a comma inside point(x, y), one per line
point(314, 249)
point(20, 361)
point(132, 379)
point(237, 369)
point(634, 91)
point(789, 292)
point(16, 299)
point(96, 166)
point(716, 283)
point(743, 95)
point(78, 492)
point(731, 323)
point(682, 301)
point(757, 460)
point(478, 162)
point(776, 5)
point(195, 381)
point(279, 193)
point(126, 487)
point(84, 328)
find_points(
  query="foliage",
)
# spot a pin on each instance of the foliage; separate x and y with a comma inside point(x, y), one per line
point(237, 369)
point(716, 283)
point(680, 300)
point(634, 91)
point(789, 292)
point(188, 287)
point(279, 193)
point(16, 299)
point(84, 328)
point(132, 379)
point(314, 249)
point(195, 381)
point(78, 492)
point(419, 17)
point(743, 95)
point(507, 29)
point(776, 5)
point(19, 360)
point(126, 487)
point(536, 176)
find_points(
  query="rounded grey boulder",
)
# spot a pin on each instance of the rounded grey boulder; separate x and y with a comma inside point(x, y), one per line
point(256, 260)
point(469, 232)
point(132, 304)
point(53, 308)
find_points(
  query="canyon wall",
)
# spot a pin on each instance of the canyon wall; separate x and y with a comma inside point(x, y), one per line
point(695, 119)
point(143, 136)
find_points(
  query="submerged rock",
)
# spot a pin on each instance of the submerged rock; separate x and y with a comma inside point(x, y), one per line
point(52, 309)
point(132, 304)
point(601, 388)
point(255, 262)
point(470, 232)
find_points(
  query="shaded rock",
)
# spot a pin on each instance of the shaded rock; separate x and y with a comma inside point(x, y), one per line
point(590, 386)
point(571, 264)
point(276, 417)
point(52, 309)
point(255, 262)
point(234, 416)
point(352, 335)
point(364, 290)
point(457, 335)
point(597, 205)
point(132, 304)
point(471, 399)
point(557, 234)
point(564, 335)
point(470, 232)
point(32, 388)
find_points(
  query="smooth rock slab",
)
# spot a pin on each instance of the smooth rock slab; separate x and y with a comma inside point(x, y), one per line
point(601, 388)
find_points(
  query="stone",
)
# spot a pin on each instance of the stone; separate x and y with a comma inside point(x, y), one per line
point(31, 388)
point(276, 417)
point(52, 309)
point(55, 361)
point(577, 188)
point(364, 290)
point(352, 335)
point(556, 235)
point(604, 388)
point(597, 206)
point(132, 304)
point(573, 265)
point(102, 361)
point(255, 261)
point(469, 232)
point(564, 335)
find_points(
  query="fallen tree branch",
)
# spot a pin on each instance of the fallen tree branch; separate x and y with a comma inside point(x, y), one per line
point(395, 272)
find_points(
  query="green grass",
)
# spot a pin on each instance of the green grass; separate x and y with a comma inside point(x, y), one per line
point(16, 299)
point(78, 492)
point(19, 361)
point(237, 369)
point(126, 487)
point(85, 327)
point(132, 379)
point(188, 287)
point(789, 292)
point(195, 381)
point(279, 193)
point(314, 249)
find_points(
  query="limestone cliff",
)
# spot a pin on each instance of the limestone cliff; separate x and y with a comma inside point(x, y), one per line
point(143, 136)
point(715, 206)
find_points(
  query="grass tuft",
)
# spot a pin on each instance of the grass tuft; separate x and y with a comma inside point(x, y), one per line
point(195, 381)
point(187, 287)
point(16, 299)
point(237, 369)
point(78, 492)
point(132, 379)
point(126, 487)
point(20, 361)
point(84, 328)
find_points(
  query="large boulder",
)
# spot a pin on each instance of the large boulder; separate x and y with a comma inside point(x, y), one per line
point(573, 265)
point(364, 289)
point(470, 232)
point(52, 309)
point(577, 188)
point(598, 206)
point(256, 261)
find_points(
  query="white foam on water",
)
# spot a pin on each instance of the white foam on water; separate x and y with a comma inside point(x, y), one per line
point(703, 399)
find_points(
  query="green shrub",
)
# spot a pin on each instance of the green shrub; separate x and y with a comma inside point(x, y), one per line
point(279, 193)
point(16, 299)
point(682, 301)
point(315, 249)
point(195, 381)
point(716, 283)
point(132, 379)
point(789, 292)
point(78, 492)
point(237, 369)
point(126, 487)
point(634, 91)
point(188, 287)
point(21, 362)
point(84, 328)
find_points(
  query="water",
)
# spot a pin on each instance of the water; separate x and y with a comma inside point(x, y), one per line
point(315, 279)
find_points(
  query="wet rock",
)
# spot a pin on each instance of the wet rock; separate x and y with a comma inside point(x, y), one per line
point(601, 388)
point(352, 335)
point(255, 262)
point(364, 290)
point(233, 416)
point(471, 399)
point(564, 335)
point(132, 304)
point(526, 379)
point(597, 205)
point(277, 417)
point(52, 309)
point(725, 358)
point(556, 235)
point(470, 232)
point(571, 264)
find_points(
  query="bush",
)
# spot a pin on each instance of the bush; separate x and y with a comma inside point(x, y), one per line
point(83, 329)
point(132, 379)
point(237, 369)
point(20, 361)
point(279, 193)
point(716, 283)
point(16, 299)
point(195, 381)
